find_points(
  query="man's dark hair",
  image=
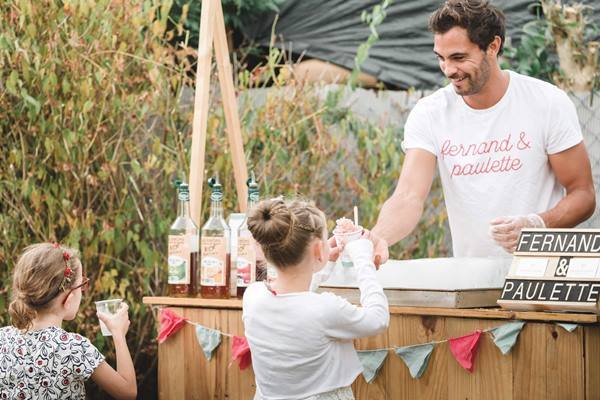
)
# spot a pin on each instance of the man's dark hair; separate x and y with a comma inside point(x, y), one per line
point(482, 21)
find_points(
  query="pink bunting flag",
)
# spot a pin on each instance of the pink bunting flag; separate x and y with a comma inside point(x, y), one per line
point(240, 352)
point(464, 349)
point(169, 324)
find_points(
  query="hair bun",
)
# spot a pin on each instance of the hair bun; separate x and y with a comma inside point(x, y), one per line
point(266, 214)
point(270, 222)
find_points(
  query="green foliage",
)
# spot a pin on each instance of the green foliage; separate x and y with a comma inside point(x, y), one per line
point(185, 15)
point(537, 55)
point(373, 19)
point(90, 139)
point(533, 56)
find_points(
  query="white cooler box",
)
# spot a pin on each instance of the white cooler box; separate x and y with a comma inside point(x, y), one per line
point(466, 282)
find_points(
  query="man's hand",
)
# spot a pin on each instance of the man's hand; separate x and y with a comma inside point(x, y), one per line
point(380, 250)
point(506, 230)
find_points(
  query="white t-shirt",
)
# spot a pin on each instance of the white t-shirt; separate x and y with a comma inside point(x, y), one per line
point(48, 363)
point(494, 162)
point(301, 343)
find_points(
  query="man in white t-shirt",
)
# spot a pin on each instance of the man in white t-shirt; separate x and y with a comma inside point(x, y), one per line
point(508, 147)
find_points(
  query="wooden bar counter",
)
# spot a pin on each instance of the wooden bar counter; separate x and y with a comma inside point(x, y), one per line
point(547, 362)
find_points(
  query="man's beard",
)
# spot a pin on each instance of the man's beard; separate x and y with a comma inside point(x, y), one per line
point(474, 83)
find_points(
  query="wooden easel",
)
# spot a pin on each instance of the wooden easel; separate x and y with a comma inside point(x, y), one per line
point(212, 30)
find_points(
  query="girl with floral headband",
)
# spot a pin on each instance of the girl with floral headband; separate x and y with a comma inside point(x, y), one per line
point(301, 341)
point(40, 360)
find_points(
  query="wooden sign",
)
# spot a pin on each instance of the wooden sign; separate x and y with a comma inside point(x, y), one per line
point(554, 269)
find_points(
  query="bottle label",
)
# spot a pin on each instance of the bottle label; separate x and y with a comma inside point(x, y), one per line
point(213, 264)
point(179, 259)
point(245, 262)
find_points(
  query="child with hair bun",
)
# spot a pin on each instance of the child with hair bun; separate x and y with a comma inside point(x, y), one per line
point(40, 360)
point(301, 341)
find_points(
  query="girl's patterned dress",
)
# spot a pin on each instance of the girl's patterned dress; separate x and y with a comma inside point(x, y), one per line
point(48, 363)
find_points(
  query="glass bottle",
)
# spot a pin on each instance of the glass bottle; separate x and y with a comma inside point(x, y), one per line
point(183, 248)
point(250, 260)
point(234, 221)
point(215, 265)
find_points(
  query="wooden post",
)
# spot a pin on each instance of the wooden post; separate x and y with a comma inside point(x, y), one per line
point(212, 30)
point(232, 119)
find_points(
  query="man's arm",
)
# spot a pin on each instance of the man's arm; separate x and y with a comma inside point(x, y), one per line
point(402, 211)
point(573, 170)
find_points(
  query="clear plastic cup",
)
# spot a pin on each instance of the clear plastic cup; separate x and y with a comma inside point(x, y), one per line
point(108, 307)
point(341, 239)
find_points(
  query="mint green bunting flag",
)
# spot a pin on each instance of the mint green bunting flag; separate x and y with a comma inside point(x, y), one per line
point(567, 327)
point(505, 336)
point(415, 357)
point(371, 360)
point(209, 340)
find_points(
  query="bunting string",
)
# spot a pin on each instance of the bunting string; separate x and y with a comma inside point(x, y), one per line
point(415, 357)
point(229, 335)
point(488, 330)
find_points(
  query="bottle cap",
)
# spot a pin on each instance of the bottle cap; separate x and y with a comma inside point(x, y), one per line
point(183, 191)
point(252, 187)
point(216, 188)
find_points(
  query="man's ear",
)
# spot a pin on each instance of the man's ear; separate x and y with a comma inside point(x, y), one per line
point(494, 46)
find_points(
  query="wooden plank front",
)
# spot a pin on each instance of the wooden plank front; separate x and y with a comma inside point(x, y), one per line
point(564, 364)
point(202, 373)
point(492, 373)
point(376, 390)
point(529, 363)
point(410, 330)
point(547, 362)
point(592, 362)
point(172, 377)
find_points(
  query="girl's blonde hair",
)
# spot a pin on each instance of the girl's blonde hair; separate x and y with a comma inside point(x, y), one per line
point(39, 277)
point(285, 229)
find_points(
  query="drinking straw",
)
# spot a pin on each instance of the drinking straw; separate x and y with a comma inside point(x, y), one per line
point(355, 216)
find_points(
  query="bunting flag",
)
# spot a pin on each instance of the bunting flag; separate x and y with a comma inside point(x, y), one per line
point(240, 352)
point(464, 349)
point(505, 336)
point(169, 324)
point(371, 360)
point(567, 327)
point(415, 357)
point(209, 340)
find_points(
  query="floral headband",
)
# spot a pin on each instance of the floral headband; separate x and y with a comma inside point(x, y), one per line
point(68, 274)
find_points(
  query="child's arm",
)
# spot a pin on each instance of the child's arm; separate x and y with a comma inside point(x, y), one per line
point(347, 321)
point(120, 384)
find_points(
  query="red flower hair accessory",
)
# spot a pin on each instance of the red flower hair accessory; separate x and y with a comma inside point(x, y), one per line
point(68, 272)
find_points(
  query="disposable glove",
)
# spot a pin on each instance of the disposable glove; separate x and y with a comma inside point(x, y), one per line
point(506, 230)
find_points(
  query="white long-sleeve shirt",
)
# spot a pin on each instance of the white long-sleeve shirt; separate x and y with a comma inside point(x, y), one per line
point(301, 343)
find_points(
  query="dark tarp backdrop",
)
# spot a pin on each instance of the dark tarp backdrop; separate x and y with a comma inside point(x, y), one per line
point(332, 30)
